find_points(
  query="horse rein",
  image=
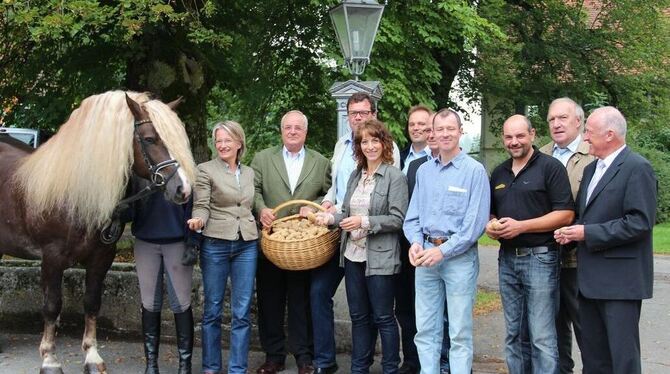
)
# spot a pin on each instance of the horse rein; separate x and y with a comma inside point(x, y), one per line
point(113, 230)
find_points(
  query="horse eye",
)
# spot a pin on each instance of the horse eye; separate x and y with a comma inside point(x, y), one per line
point(150, 140)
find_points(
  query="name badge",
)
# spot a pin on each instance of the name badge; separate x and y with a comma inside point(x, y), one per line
point(457, 189)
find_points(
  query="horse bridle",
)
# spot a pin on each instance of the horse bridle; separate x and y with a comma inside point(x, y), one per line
point(114, 229)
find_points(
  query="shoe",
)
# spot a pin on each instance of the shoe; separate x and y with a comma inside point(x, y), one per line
point(151, 331)
point(306, 369)
point(270, 367)
point(184, 326)
point(408, 369)
point(329, 370)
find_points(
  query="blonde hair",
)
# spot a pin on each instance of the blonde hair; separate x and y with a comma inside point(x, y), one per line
point(83, 170)
point(236, 132)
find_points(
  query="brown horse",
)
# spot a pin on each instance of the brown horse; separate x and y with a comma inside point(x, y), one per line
point(56, 201)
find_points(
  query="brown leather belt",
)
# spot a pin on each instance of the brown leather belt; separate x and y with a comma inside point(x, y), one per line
point(436, 241)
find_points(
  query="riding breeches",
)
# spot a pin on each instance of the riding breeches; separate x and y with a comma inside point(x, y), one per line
point(157, 261)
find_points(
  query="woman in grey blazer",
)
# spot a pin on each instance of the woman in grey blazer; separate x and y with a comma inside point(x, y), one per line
point(224, 196)
point(373, 211)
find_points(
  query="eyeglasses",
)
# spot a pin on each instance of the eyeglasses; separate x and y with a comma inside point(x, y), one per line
point(294, 128)
point(362, 113)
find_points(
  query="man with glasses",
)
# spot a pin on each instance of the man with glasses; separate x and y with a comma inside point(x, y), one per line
point(447, 214)
point(326, 278)
point(282, 173)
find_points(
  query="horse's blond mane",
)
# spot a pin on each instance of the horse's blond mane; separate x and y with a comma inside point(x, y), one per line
point(83, 170)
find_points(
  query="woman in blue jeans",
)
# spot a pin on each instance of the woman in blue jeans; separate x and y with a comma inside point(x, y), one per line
point(373, 211)
point(224, 195)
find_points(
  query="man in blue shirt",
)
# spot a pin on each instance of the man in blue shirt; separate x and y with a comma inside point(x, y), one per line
point(447, 214)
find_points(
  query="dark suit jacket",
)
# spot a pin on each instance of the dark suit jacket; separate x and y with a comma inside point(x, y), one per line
point(411, 173)
point(615, 259)
point(272, 185)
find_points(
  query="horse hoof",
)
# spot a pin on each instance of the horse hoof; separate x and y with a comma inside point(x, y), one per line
point(51, 370)
point(95, 368)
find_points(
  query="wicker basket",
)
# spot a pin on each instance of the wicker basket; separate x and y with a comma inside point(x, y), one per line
point(299, 254)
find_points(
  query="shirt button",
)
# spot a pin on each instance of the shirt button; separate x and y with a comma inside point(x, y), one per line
point(238, 218)
point(238, 204)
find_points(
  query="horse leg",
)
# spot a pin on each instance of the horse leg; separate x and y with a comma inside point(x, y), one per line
point(95, 275)
point(52, 277)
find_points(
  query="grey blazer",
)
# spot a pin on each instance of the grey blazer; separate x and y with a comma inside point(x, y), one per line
point(222, 204)
point(388, 206)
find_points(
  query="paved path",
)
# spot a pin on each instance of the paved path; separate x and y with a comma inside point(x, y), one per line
point(20, 350)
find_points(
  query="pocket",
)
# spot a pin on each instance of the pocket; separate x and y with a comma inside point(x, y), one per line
point(454, 202)
point(548, 258)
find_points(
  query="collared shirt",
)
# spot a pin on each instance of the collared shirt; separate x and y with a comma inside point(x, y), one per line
point(450, 200)
point(237, 172)
point(601, 168)
point(411, 156)
point(293, 162)
point(345, 168)
point(563, 154)
point(542, 186)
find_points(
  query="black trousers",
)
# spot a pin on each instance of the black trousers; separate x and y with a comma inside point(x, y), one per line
point(404, 307)
point(278, 290)
point(567, 319)
point(610, 336)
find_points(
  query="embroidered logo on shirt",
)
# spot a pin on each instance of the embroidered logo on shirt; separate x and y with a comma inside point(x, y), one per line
point(500, 186)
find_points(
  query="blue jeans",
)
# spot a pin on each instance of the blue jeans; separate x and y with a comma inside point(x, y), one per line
point(453, 280)
point(219, 259)
point(325, 280)
point(531, 283)
point(371, 300)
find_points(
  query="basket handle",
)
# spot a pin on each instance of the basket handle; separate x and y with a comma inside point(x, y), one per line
point(294, 202)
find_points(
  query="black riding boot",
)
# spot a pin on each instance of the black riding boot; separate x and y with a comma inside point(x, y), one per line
point(184, 323)
point(151, 331)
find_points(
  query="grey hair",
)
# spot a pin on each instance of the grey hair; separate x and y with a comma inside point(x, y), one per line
point(304, 117)
point(612, 119)
point(236, 132)
point(445, 113)
point(579, 111)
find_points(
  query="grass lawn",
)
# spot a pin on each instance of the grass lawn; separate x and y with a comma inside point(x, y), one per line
point(661, 239)
point(487, 302)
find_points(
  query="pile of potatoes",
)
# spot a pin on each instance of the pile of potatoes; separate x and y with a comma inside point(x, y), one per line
point(294, 230)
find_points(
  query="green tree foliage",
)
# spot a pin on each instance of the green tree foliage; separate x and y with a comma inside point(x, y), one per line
point(618, 55)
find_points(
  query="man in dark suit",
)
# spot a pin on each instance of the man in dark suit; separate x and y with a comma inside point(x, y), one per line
point(616, 214)
point(283, 173)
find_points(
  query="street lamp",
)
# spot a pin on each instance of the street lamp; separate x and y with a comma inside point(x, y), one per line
point(356, 23)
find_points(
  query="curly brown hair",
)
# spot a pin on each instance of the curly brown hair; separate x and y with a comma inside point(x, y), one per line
point(376, 129)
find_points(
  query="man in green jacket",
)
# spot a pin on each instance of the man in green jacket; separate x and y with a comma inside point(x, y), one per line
point(282, 173)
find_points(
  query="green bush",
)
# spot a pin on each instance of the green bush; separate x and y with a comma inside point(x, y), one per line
point(660, 161)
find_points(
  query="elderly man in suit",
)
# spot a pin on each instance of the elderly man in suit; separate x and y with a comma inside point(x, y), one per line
point(566, 119)
point(616, 214)
point(283, 173)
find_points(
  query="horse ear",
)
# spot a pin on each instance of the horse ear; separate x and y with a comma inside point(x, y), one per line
point(134, 108)
point(173, 104)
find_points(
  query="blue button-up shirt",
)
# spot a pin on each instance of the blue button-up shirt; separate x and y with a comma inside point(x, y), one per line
point(344, 169)
point(449, 200)
point(564, 154)
point(411, 156)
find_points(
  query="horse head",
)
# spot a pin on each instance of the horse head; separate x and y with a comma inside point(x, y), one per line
point(152, 160)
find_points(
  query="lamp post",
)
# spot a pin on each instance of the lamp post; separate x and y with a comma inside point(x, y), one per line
point(356, 23)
